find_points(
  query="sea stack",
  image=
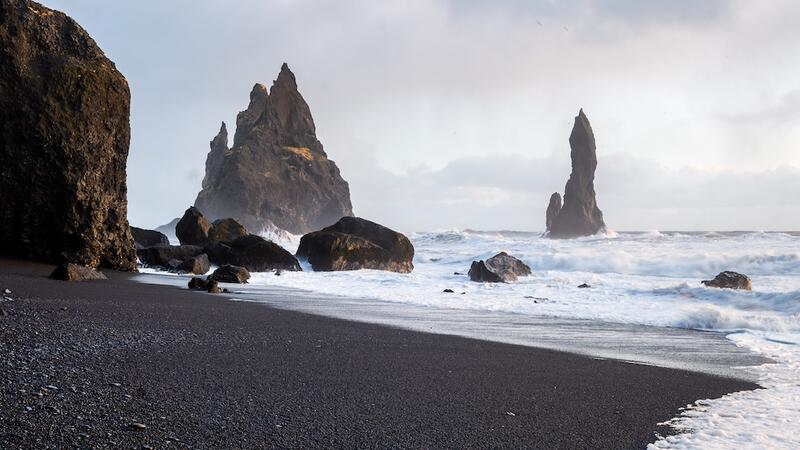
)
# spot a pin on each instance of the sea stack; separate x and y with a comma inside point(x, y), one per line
point(276, 174)
point(64, 136)
point(579, 216)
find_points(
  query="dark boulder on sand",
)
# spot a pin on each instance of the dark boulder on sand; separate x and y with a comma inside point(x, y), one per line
point(730, 280)
point(226, 230)
point(147, 238)
point(353, 243)
point(276, 173)
point(579, 216)
point(230, 274)
point(64, 136)
point(76, 272)
point(208, 285)
point(500, 268)
point(193, 228)
point(164, 255)
point(252, 252)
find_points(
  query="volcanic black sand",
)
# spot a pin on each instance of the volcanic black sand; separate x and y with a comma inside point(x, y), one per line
point(119, 364)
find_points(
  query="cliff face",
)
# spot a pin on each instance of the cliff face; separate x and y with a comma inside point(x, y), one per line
point(580, 215)
point(276, 173)
point(64, 135)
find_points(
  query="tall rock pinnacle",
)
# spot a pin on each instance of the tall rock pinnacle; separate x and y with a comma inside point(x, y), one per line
point(580, 215)
point(276, 173)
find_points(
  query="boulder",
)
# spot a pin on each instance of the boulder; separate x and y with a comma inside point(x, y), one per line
point(353, 243)
point(579, 216)
point(500, 268)
point(161, 255)
point(276, 173)
point(253, 253)
point(76, 272)
point(226, 230)
point(147, 238)
point(230, 274)
point(209, 285)
point(64, 137)
point(213, 287)
point(730, 280)
point(198, 284)
point(197, 265)
point(193, 228)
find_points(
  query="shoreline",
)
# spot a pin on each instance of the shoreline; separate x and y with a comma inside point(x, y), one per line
point(201, 372)
point(705, 351)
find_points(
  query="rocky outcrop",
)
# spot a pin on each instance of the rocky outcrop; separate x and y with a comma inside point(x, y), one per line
point(230, 274)
point(730, 280)
point(197, 265)
point(500, 268)
point(580, 215)
point(193, 228)
point(64, 135)
point(276, 173)
point(226, 230)
point(147, 238)
point(168, 256)
point(353, 243)
point(253, 253)
point(76, 272)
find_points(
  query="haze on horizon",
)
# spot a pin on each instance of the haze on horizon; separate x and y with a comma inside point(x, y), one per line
point(456, 114)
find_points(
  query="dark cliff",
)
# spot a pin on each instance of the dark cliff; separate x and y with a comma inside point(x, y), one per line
point(64, 136)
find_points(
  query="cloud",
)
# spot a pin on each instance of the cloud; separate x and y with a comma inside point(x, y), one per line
point(634, 194)
point(436, 100)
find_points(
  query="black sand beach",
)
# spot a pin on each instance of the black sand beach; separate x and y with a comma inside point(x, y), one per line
point(119, 364)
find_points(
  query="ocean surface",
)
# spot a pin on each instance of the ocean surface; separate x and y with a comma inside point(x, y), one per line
point(645, 305)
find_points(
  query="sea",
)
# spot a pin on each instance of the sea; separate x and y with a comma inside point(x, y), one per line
point(645, 305)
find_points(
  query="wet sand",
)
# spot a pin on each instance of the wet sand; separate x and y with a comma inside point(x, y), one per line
point(123, 364)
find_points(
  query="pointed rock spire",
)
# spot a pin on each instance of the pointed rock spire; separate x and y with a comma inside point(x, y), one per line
point(580, 215)
point(553, 209)
point(276, 172)
point(221, 139)
point(215, 158)
point(289, 112)
point(286, 78)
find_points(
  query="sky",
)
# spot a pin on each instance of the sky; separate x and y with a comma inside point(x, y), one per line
point(446, 114)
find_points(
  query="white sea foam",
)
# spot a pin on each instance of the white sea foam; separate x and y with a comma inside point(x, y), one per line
point(650, 278)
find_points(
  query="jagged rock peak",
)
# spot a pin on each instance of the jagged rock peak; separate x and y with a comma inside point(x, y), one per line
point(276, 173)
point(285, 78)
point(221, 139)
point(579, 216)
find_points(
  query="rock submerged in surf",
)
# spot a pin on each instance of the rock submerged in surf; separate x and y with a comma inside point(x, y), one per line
point(230, 274)
point(353, 243)
point(253, 253)
point(500, 268)
point(730, 280)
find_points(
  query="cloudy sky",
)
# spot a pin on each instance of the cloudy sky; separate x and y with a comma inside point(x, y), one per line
point(456, 113)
